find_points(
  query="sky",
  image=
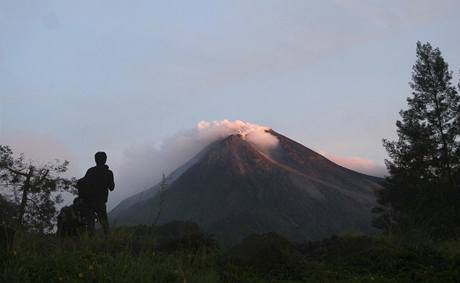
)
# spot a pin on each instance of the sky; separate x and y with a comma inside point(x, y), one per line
point(77, 77)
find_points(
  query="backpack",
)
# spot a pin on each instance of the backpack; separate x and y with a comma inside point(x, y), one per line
point(74, 219)
point(83, 188)
point(67, 224)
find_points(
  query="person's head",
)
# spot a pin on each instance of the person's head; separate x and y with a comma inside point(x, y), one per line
point(100, 158)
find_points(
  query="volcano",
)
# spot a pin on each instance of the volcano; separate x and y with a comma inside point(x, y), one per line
point(234, 188)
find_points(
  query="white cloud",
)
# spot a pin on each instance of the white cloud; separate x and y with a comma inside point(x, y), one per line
point(356, 163)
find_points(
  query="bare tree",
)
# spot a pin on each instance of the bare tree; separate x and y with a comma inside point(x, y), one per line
point(35, 189)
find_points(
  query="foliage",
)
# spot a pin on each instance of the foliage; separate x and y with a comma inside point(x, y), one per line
point(424, 161)
point(35, 189)
point(269, 254)
point(126, 257)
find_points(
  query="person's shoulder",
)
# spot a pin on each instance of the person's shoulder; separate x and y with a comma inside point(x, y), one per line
point(91, 170)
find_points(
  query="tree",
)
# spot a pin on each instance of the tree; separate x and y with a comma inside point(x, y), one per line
point(161, 190)
point(424, 163)
point(35, 189)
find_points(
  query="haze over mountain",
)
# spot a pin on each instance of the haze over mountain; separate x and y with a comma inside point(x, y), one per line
point(256, 180)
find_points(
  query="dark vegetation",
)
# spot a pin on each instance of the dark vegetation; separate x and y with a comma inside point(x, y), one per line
point(418, 213)
point(180, 252)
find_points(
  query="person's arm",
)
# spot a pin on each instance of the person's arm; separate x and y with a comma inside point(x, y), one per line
point(111, 182)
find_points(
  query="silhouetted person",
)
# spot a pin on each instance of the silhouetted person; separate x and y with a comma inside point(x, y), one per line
point(99, 180)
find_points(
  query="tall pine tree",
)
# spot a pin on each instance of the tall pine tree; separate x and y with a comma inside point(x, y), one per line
point(424, 163)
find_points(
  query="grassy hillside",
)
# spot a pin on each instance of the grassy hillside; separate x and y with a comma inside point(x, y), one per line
point(171, 254)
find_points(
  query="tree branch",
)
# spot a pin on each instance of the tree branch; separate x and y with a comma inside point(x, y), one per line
point(16, 171)
point(41, 179)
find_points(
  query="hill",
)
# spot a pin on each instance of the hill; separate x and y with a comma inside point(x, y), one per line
point(234, 188)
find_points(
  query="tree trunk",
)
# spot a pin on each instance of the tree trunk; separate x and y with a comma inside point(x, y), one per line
point(25, 192)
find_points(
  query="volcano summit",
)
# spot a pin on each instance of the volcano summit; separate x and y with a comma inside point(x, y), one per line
point(241, 184)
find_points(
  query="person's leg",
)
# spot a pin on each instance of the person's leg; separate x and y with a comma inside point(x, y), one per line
point(90, 222)
point(101, 212)
point(88, 210)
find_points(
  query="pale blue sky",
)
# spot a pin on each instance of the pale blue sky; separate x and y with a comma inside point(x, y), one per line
point(80, 76)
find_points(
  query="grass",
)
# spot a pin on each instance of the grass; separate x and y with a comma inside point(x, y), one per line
point(129, 257)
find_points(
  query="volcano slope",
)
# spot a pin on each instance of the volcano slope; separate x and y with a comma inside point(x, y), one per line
point(233, 189)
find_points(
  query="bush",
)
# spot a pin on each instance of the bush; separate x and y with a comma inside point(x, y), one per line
point(269, 254)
